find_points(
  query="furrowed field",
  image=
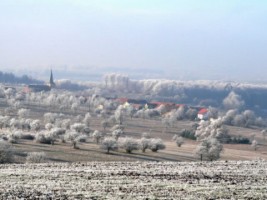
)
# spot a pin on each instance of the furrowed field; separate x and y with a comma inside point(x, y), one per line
point(135, 180)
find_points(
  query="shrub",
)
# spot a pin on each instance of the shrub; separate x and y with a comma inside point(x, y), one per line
point(82, 138)
point(36, 157)
point(6, 152)
point(27, 136)
point(188, 134)
point(239, 140)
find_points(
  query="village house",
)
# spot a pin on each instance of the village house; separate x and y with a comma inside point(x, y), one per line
point(203, 114)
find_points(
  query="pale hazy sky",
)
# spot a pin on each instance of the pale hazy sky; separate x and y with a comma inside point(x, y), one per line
point(200, 39)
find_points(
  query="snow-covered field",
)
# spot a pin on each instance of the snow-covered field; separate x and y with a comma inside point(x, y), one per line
point(135, 180)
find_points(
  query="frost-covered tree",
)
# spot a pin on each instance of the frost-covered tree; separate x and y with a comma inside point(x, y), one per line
point(4, 121)
point(72, 137)
point(212, 129)
point(87, 119)
point(179, 141)
point(130, 111)
point(233, 101)
point(14, 123)
point(156, 144)
point(65, 123)
point(45, 137)
point(228, 118)
point(23, 113)
point(78, 127)
point(117, 133)
point(128, 144)
point(180, 113)
point(35, 125)
point(49, 126)
point(144, 143)
point(50, 117)
point(209, 149)
point(254, 144)
point(14, 136)
point(109, 144)
point(166, 123)
point(119, 114)
point(97, 135)
point(249, 117)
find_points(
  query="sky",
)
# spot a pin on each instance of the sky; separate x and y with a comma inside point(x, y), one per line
point(168, 39)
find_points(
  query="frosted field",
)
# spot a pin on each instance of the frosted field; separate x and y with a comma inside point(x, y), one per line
point(135, 180)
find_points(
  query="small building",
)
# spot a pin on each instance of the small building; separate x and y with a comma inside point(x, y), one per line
point(203, 114)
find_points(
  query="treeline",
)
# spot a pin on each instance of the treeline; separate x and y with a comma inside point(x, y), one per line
point(12, 79)
point(202, 93)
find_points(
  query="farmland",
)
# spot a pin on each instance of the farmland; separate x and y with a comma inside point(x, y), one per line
point(135, 180)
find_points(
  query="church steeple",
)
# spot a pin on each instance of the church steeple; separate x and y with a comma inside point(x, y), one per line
point(51, 81)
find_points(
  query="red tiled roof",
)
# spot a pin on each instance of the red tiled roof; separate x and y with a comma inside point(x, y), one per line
point(163, 103)
point(203, 111)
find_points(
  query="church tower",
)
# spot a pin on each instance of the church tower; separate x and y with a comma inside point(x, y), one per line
point(51, 81)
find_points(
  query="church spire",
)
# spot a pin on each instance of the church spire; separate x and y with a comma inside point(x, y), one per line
point(51, 81)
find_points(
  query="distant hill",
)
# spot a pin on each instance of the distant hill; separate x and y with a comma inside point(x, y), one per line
point(12, 79)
